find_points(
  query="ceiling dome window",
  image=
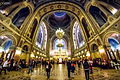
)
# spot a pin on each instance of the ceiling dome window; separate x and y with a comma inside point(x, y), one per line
point(42, 36)
point(77, 36)
point(59, 20)
point(98, 15)
point(60, 14)
point(19, 18)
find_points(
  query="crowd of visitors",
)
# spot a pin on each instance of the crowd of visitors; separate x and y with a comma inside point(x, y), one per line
point(12, 65)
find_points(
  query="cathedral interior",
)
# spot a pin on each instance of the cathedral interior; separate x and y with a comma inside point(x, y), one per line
point(59, 31)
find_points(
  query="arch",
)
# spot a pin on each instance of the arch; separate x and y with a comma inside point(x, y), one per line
point(10, 36)
point(60, 6)
point(86, 28)
point(98, 15)
point(20, 17)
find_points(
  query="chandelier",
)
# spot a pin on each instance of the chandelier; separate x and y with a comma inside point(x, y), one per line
point(59, 33)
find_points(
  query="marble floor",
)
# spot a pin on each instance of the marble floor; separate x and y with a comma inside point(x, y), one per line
point(59, 72)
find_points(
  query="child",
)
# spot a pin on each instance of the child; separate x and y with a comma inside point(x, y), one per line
point(72, 69)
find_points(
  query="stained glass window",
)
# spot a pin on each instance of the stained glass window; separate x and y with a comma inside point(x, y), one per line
point(77, 36)
point(42, 36)
point(56, 42)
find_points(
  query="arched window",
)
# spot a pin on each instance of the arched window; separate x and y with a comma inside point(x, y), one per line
point(19, 18)
point(77, 36)
point(33, 28)
point(56, 42)
point(98, 15)
point(5, 42)
point(114, 41)
point(84, 23)
point(7, 45)
point(42, 36)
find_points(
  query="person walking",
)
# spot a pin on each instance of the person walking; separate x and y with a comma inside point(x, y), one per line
point(90, 66)
point(30, 66)
point(69, 68)
point(5, 65)
point(73, 69)
point(86, 68)
point(79, 64)
point(48, 69)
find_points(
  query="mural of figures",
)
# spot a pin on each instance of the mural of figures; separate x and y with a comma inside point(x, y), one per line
point(42, 36)
point(77, 36)
point(114, 41)
point(5, 42)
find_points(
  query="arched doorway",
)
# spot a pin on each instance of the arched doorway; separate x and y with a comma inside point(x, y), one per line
point(24, 57)
point(95, 52)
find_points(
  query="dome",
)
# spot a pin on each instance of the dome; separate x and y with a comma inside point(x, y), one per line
point(59, 20)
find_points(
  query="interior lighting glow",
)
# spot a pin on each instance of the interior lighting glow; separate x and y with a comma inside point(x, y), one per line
point(1, 49)
point(18, 52)
point(101, 50)
point(32, 55)
point(88, 53)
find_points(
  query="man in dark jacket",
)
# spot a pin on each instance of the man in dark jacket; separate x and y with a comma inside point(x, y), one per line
point(48, 68)
point(86, 68)
point(69, 68)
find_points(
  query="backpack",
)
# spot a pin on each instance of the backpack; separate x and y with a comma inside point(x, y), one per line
point(86, 65)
